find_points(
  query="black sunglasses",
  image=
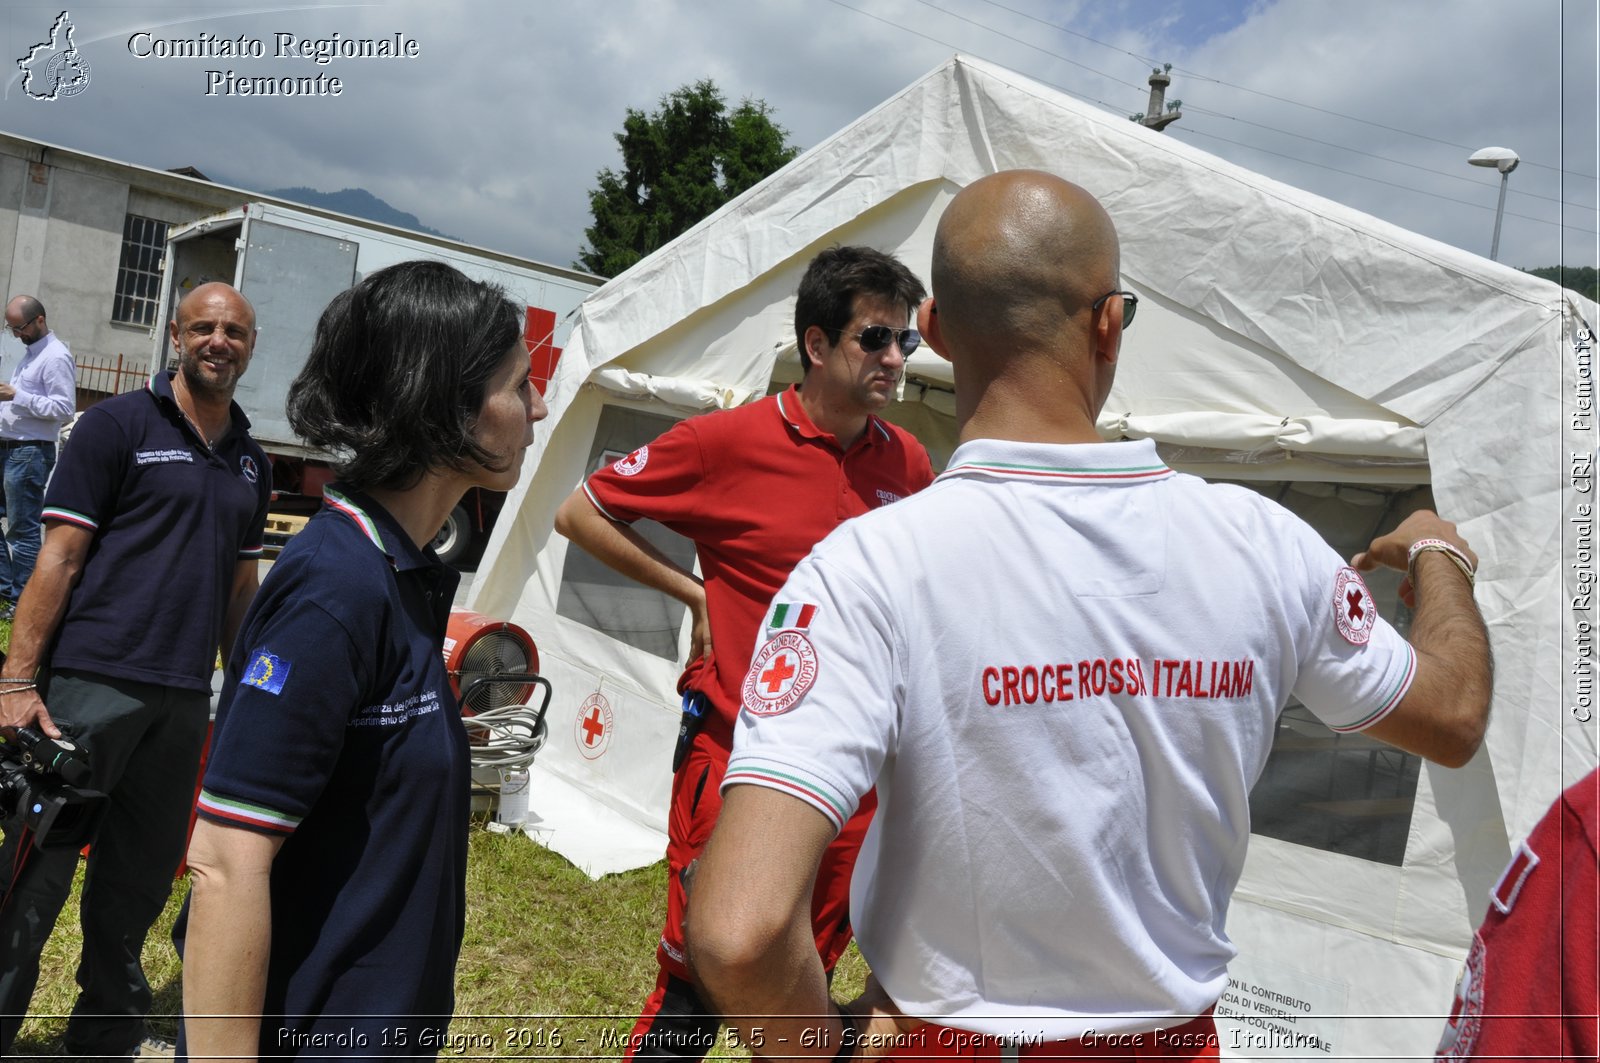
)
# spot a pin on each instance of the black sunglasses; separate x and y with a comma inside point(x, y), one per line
point(1130, 306)
point(875, 338)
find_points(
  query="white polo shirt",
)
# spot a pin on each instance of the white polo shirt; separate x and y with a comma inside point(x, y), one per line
point(1062, 666)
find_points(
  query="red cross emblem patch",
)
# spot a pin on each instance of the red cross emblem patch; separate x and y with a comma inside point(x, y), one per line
point(1354, 611)
point(633, 463)
point(592, 728)
point(783, 670)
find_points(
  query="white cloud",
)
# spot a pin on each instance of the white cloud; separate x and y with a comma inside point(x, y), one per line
point(1473, 74)
point(496, 133)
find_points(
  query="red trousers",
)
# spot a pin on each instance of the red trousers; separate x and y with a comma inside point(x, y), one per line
point(675, 1023)
point(696, 803)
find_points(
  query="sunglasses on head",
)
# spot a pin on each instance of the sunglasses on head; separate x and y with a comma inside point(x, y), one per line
point(875, 338)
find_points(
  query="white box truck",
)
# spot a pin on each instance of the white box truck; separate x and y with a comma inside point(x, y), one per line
point(289, 263)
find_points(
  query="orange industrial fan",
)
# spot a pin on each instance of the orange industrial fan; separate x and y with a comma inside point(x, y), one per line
point(481, 647)
point(493, 667)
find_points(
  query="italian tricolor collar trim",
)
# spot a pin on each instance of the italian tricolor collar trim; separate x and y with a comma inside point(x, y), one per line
point(368, 526)
point(1084, 463)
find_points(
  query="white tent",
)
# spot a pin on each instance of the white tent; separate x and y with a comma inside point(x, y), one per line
point(1281, 338)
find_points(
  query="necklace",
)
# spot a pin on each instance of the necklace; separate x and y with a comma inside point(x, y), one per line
point(209, 440)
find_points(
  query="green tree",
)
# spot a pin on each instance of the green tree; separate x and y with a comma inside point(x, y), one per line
point(1582, 279)
point(678, 165)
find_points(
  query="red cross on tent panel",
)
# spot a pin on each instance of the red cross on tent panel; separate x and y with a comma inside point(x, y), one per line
point(543, 354)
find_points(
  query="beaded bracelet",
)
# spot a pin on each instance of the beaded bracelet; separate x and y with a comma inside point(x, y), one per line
point(14, 682)
point(1450, 550)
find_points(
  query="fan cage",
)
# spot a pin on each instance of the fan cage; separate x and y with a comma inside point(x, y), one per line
point(494, 653)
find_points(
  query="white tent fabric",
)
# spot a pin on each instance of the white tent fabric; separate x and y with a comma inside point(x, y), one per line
point(1280, 335)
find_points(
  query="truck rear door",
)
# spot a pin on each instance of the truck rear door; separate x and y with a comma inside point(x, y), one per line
point(289, 275)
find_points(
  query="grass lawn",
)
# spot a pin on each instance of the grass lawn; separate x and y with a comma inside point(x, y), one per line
point(553, 965)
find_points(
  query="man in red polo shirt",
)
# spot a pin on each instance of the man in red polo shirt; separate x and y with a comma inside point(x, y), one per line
point(756, 488)
point(1531, 985)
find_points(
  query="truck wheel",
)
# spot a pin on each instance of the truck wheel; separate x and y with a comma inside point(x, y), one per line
point(453, 539)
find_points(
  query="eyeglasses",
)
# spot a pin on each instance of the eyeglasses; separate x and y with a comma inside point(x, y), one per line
point(1130, 306)
point(875, 338)
point(16, 330)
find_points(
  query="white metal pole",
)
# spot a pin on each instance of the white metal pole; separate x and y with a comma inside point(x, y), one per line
point(1499, 212)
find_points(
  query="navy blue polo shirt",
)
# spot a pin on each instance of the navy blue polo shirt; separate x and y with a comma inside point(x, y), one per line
point(338, 729)
point(172, 518)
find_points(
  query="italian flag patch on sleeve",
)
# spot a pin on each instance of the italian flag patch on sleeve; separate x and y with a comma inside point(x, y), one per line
point(791, 616)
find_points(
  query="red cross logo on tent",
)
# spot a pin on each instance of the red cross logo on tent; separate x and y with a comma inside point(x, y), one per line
point(593, 726)
point(1354, 611)
point(784, 669)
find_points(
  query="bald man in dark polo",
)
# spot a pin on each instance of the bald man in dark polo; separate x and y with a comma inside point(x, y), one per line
point(1063, 811)
point(153, 535)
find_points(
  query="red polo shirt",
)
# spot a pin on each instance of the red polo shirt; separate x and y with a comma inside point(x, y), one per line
point(755, 488)
point(1531, 985)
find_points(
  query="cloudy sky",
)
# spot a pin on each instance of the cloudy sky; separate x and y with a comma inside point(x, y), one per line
point(495, 131)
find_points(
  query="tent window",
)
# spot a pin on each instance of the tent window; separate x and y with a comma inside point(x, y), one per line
point(1343, 793)
point(598, 597)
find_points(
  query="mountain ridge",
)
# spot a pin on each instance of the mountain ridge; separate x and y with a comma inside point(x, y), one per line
point(358, 203)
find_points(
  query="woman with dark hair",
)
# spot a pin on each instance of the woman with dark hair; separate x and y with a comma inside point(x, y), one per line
point(329, 858)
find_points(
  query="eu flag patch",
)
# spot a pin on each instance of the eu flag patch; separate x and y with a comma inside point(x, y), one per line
point(266, 672)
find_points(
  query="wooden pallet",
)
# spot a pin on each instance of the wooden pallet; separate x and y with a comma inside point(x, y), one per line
point(281, 527)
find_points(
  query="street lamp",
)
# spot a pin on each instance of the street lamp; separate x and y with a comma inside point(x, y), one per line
point(1505, 160)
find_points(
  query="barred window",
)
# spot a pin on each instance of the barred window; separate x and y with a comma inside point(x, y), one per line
point(144, 241)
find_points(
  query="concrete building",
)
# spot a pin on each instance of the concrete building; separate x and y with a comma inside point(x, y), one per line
point(85, 234)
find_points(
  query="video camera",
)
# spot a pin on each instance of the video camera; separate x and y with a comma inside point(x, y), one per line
point(40, 788)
